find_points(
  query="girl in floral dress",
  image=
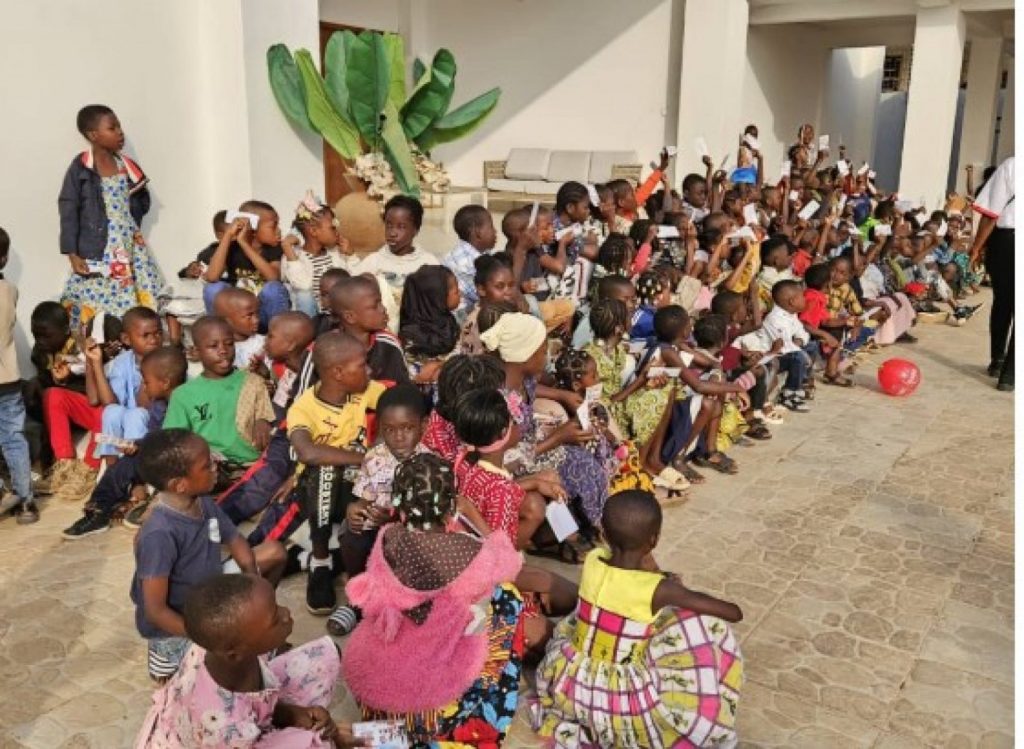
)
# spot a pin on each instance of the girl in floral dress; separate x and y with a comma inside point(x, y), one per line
point(228, 693)
point(101, 205)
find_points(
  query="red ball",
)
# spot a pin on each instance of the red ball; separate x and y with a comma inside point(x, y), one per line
point(899, 377)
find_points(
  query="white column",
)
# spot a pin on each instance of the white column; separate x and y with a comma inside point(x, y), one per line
point(931, 104)
point(1005, 147)
point(711, 83)
point(983, 73)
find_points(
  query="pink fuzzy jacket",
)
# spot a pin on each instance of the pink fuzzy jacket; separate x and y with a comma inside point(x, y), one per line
point(393, 664)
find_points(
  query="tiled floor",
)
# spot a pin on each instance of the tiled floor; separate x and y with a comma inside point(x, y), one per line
point(870, 545)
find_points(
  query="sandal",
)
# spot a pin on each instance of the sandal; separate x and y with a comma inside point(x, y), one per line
point(759, 432)
point(671, 479)
point(718, 461)
point(691, 475)
point(670, 497)
point(769, 416)
point(838, 381)
point(793, 403)
point(342, 621)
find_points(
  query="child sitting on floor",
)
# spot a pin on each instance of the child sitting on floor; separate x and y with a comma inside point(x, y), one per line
point(460, 374)
point(654, 292)
point(428, 327)
point(401, 417)
point(229, 692)
point(820, 324)
point(241, 310)
point(357, 306)
point(639, 631)
point(179, 545)
point(399, 257)
point(163, 370)
point(231, 410)
point(324, 321)
point(783, 324)
point(474, 227)
point(330, 426)
point(117, 388)
point(441, 647)
point(495, 284)
point(250, 259)
point(311, 248)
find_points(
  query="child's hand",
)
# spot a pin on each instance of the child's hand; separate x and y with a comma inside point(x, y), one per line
point(237, 228)
point(345, 247)
point(777, 346)
point(356, 517)
point(60, 370)
point(284, 491)
point(572, 401)
point(571, 433)
point(706, 160)
point(288, 245)
point(93, 352)
point(78, 265)
point(656, 383)
point(553, 491)
point(830, 340)
point(664, 159)
point(261, 432)
point(343, 738)
point(191, 354)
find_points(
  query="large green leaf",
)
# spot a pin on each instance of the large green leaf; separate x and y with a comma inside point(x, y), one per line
point(368, 75)
point(334, 128)
point(396, 60)
point(335, 56)
point(399, 155)
point(459, 122)
point(430, 101)
point(286, 83)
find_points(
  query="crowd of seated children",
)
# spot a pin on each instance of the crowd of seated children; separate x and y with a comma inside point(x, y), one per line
point(443, 414)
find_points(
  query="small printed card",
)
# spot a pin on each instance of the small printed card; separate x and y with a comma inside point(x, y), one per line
point(883, 230)
point(794, 196)
point(637, 347)
point(668, 232)
point(671, 151)
point(843, 167)
point(252, 218)
point(744, 232)
point(595, 200)
point(750, 214)
point(663, 372)
point(383, 734)
point(809, 210)
point(823, 142)
point(533, 214)
point(560, 518)
point(863, 169)
point(752, 142)
point(787, 168)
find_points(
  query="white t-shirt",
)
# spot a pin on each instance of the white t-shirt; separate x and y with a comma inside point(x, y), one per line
point(872, 282)
point(785, 326)
point(395, 268)
point(247, 350)
point(996, 198)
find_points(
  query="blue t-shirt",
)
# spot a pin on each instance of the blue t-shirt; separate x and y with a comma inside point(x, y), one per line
point(184, 549)
point(125, 378)
point(643, 324)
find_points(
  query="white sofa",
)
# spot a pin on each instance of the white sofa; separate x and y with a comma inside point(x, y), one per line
point(537, 173)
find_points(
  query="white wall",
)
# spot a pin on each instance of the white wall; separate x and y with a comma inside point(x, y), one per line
point(188, 81)
point(850, 109)
point(782, 88)
point(586, 74)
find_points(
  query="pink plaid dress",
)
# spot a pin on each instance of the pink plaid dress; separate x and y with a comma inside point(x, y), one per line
point(617, 675)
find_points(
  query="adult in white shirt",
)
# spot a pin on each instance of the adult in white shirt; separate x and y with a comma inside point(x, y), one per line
point(399, 257)
point(995, 203)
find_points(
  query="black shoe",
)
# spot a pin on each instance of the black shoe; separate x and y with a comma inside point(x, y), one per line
point(87, 525)
point(337, 566)
point(906, 338)
point(320, 596)
point(995, 368)
point(293, 561)
point(28, 512)
point(136, 516)
point(1005, 381)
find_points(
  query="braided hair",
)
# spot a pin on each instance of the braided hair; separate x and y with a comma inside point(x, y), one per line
point(569, 368)
point(649, 285)
point(423, 491)
point(614, 253)
point(607, 315)
point(461, 373)
point(570, 192)
point(481, 417)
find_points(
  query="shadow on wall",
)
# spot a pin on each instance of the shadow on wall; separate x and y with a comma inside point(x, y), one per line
point(528, 46)
point(888, 157)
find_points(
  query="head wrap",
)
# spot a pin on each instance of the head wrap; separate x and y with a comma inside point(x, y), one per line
point(515, 337)
point(426, 326)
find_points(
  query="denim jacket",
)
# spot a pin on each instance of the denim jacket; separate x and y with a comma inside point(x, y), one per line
point(83, 217)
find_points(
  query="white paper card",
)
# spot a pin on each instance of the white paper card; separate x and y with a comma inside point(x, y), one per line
point(725, 160)
point(863, 169)
point(637, 347)
point(751, 141)
point(252, 218)
point(701, 147)
point(843, 167)
point(533, 214)
point(663, 372)
point(809, 210)
point(922, 216)
point(943, 229)
point(787, 168)
point(871, 174)
point(823, 142)
point(744, 232)
point(576, 230)
point(883, 230)
point(750, 214)
point(560, 518)
point(668, 232)
point(671, 151)
point(595, 199)
point(794, 196)
point(904, 205)
point(382, 734)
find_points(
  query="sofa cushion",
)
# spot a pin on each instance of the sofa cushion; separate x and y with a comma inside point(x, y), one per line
point(601, 163)
point(506, 185)
point(527, 163)
point(540, 187)
point(566, 166)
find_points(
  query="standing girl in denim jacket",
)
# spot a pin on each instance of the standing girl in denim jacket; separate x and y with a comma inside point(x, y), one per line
point(101, 204)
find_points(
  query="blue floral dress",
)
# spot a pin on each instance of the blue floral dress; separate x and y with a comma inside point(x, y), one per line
point(128, 276)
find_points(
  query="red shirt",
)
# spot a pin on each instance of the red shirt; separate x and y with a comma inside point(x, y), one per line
point(816, 311)
point(801, 262)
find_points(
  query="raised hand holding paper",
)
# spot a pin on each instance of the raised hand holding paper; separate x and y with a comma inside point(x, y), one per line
point(668, 232)
point(595, 199)
point(671, 151)
point(750, 214)
point(252, 218)
point(823, 142)
point(701, 147)
point(809, 210)
point(751, 141)
point(843, 167)
point(533, 214)
point(863, 169)
point(744, 232)
point(787, 168)
point(883, 230)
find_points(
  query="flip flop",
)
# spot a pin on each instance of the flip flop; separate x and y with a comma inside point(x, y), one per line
point(838, 381)
point(691, 475)
point(671, 479)
point(670, 497)
point(723, 464)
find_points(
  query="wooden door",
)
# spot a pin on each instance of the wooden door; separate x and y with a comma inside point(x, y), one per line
point(335, 167)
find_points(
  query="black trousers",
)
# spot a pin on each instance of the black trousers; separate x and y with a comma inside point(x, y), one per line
point(999, 263)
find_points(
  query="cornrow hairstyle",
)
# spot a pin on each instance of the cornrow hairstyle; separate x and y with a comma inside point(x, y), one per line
point(710, 331)
point(90, 115)
point(423, 491)
point(481, 417)
point(488, 266)
point(614, 252)
point(570, 192)
point(404, 202)
point(490, 312)
point(607, 316)
point(461, 373)
point(308, 213)
point(167, 454)
point(649, 285)
point(569, 368)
